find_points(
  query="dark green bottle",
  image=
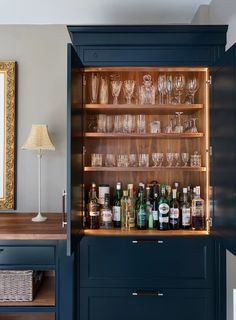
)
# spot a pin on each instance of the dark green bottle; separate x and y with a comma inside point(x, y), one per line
point(116, 209)
point(164, 210)
point(141, 212)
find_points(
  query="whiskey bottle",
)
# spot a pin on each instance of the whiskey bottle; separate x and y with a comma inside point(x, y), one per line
point(185, 211)
point(131, 206)
point(141, 212)
point(116, 209)
point(174, 211)
point(163, 210)
point(198, 215)
point(106, 214)
point(93, 208)
point(124, 211)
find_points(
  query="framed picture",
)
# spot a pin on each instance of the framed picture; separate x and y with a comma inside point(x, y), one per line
point(7, 134)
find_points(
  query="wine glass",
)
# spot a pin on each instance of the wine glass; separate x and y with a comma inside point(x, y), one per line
point(169, 88)
point(128, 89)
point(170, 158)
point(193, 129)
point(177, 159)
point(161, 87)
point(94, 87)
point(179, 82)
point(191, 87)
point(116, 87)
point(157, 159)
point(179, 128)
point(185, 158)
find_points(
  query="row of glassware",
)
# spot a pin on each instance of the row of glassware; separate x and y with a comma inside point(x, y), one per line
point(173, 159)
point(169, 89)
point(129, 123)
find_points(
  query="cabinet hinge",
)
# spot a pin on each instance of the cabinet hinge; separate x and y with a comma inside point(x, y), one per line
point(209, 81)
point(211, 151)
point(84, 80)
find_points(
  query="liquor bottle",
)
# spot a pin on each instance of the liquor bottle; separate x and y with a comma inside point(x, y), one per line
point(141, 212)
point(124, 211)
point(93, 208)
point(185, 211)
point(106, 214)
point(177, 187)
point(198, 220)
point(163, 210)
point(116, 209)
point(155, 211)
point(141, 187)
point(174, 211)
point(169, 196)
point(149, 208)
point(131, 206)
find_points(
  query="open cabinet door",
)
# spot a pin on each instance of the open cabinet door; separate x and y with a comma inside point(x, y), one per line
point(74, 207)
point(223, 133)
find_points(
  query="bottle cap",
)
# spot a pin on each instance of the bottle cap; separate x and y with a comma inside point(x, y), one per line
point(93, 185)
point(174, 193)
point(185, 190)
point(118, 186)
point(130, 186)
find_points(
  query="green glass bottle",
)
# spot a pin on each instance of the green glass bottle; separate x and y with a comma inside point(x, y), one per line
point(116, 209)
point(174, 211)
point(141, 212)
point(163, 209)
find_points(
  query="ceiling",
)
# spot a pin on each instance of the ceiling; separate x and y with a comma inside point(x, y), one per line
point(87, 12)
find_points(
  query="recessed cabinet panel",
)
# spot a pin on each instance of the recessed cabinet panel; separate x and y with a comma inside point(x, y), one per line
point(165, 261)
point(159, 304)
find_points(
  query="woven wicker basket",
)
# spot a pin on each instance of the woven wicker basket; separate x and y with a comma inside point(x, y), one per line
point(20, 285)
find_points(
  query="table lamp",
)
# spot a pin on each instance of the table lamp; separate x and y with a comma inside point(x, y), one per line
point(40, 141)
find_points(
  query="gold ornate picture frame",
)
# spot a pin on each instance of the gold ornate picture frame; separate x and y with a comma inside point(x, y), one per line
point(7, 134)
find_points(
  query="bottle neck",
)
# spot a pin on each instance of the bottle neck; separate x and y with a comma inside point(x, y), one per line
point(185, 197)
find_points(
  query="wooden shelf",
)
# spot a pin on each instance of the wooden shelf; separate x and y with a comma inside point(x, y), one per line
point(145, 109)
point(140, 169)
point(118, 232)
point(27, 316)
point(145, 69)
point(44, 297)
point(144, 135)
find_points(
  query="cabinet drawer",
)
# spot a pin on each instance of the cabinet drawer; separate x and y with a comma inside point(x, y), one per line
point(27, 255)
point(164, 261)
point(116, 304)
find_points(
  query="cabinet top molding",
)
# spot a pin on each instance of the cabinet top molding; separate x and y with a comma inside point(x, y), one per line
point(149, 35)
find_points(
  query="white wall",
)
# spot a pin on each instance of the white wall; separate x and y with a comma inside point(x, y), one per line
point(40, 52)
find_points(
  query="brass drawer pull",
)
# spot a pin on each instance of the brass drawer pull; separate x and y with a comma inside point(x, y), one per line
point(148, 293)
point(147, 241)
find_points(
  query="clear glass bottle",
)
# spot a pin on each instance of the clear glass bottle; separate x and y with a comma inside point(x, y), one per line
point(198, 213)
point(116, 209)
point(149, 208)
point(164, 210)
point(93, 208)
point(131, 206)
point(147, 91)
point(106, 213)
point(174, 211)
point(185, 211)
point(125, 211)
point(141, 212)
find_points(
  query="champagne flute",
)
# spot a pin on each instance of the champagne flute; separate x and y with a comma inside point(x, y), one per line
point(116, 87)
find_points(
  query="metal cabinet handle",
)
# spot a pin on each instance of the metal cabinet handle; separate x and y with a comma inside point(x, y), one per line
point(64, 223)
point(147, 241)
point(148, 293)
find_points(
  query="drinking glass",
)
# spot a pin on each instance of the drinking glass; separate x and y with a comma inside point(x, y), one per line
point(155, 126)
point(128, 123)
point(185, 158)
point(96, 160)
point(110, 160)
point(141, 123)
point(118, 123)
point(177, 159)
point(115, 88)
point(147, 91)
point(128, 89)
point(195, 160)
point(122, 160)
point(179, 82)
point(193, 129)
point(169, 88)
point(109, 123)
point(143, 160)
point(170, 158)
point(101, 125)
point(179, 128)
point(94, 87)
point(132, 160)
point(103, 93)
point(157, 159)
point(191, 87)
point(162, 88)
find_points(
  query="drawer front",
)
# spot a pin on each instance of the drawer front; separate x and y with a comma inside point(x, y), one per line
point(19, 255)
point(166, 261)
point(161, 304)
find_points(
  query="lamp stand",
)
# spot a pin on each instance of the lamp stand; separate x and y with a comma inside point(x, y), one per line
point(39, 217)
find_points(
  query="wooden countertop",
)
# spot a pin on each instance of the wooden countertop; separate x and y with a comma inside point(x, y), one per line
point(118, 232)
point(18, 226)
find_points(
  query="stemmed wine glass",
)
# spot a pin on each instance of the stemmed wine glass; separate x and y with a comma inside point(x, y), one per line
point(193, 129)
point(185, 158)
point(169, 87)
point(161, 87)
point(177, 159)
point(128, 89)
point(116, 87)
point(157, 159)
point(170, 158)
point(179, 82)
point(179, 128)
point(191, 87)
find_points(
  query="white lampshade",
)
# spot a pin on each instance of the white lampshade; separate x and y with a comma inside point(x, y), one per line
point(38, 138)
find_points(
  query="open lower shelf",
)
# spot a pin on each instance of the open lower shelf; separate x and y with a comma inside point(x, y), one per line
point(44, 297)
point(142, 108)
point(118, 232)
point(144, 135)
point(115, 169)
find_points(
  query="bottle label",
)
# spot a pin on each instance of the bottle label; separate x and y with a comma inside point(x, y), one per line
point(174, 213)
point(106, 216)
point(164, 219)
point(94, 213)
point(186, 217)
point(164, 208)
point(155, 215)
point(116, 213)
point(141, 218)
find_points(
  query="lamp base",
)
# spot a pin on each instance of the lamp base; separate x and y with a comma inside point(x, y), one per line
point(39, 218)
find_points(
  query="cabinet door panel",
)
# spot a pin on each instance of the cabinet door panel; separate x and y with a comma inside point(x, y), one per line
point(116, 304)
point(165, 261)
